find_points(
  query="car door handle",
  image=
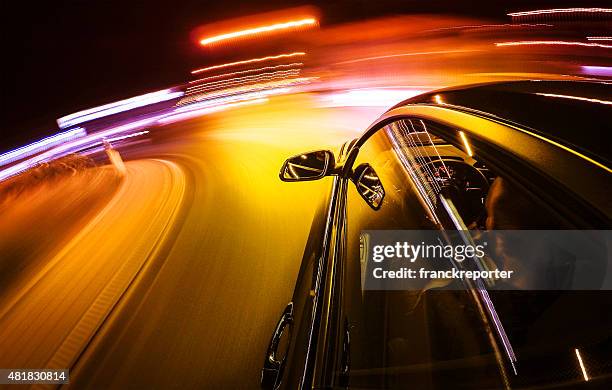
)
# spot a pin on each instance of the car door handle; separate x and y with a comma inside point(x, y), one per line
point(272, 371)
point(345, 362)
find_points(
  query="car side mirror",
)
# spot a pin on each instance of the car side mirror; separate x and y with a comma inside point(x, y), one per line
point(368, 185)
point(308, 166)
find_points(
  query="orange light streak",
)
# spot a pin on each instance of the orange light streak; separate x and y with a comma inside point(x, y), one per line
point(246, 89)
point(243, 80)
point(292, 65)
point(478, 26)
point(422, 53)
point(259, 30)
point(248, 77)
point(254, 60)
point(560, 43)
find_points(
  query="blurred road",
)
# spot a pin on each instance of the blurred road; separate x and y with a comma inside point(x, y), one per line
point(179, 278)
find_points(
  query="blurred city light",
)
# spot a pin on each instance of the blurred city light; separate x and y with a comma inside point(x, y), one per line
point(117, 107)
point(42, 145)
point(73, 146)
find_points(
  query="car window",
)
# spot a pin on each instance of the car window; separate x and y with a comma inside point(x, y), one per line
point(428, 338)
point(422, 337)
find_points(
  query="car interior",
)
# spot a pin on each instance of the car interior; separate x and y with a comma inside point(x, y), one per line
point(434, 338)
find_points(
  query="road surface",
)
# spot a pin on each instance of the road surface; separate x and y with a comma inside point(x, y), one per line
point(175, 277)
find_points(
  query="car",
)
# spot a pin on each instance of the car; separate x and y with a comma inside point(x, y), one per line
point(522, 155)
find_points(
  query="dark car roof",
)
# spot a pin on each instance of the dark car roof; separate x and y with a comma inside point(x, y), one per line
point(577, 114)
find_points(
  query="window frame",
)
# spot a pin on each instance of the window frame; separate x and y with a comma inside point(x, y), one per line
point(559, 200)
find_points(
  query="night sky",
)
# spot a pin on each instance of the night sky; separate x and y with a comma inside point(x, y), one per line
point(62, 56)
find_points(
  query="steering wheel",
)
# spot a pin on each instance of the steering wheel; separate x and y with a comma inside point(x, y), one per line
point(466, 186)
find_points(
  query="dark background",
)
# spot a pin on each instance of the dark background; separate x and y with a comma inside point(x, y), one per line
point(65, 55)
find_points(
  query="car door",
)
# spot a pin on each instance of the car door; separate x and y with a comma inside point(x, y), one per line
point(291, 357)
point(418, 338)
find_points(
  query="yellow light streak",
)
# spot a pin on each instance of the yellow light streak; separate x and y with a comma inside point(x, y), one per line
point(584, 373)
point(258, 30)
point(466, 143)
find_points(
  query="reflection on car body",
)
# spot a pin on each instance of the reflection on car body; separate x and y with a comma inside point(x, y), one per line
point(453, 160)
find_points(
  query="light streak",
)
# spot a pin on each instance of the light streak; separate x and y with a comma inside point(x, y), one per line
point(368, 97)
point(438, 99)
point(248, 88)
point(597, 70)
point(72, 147)
point(117, 107)
point(259, 30)
point(584, 373)
point(561, 11)
point(422, 53)
point(504, 25)
point(251, 61)
point(265, 68)
point(466, 143)
point(232, 98)
point(559, 43)
point(41, 145)
point(599, 38)
point(209, 110)
point(243, 80)
point(139, 133)
point(236, 87)
point(581, 98)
